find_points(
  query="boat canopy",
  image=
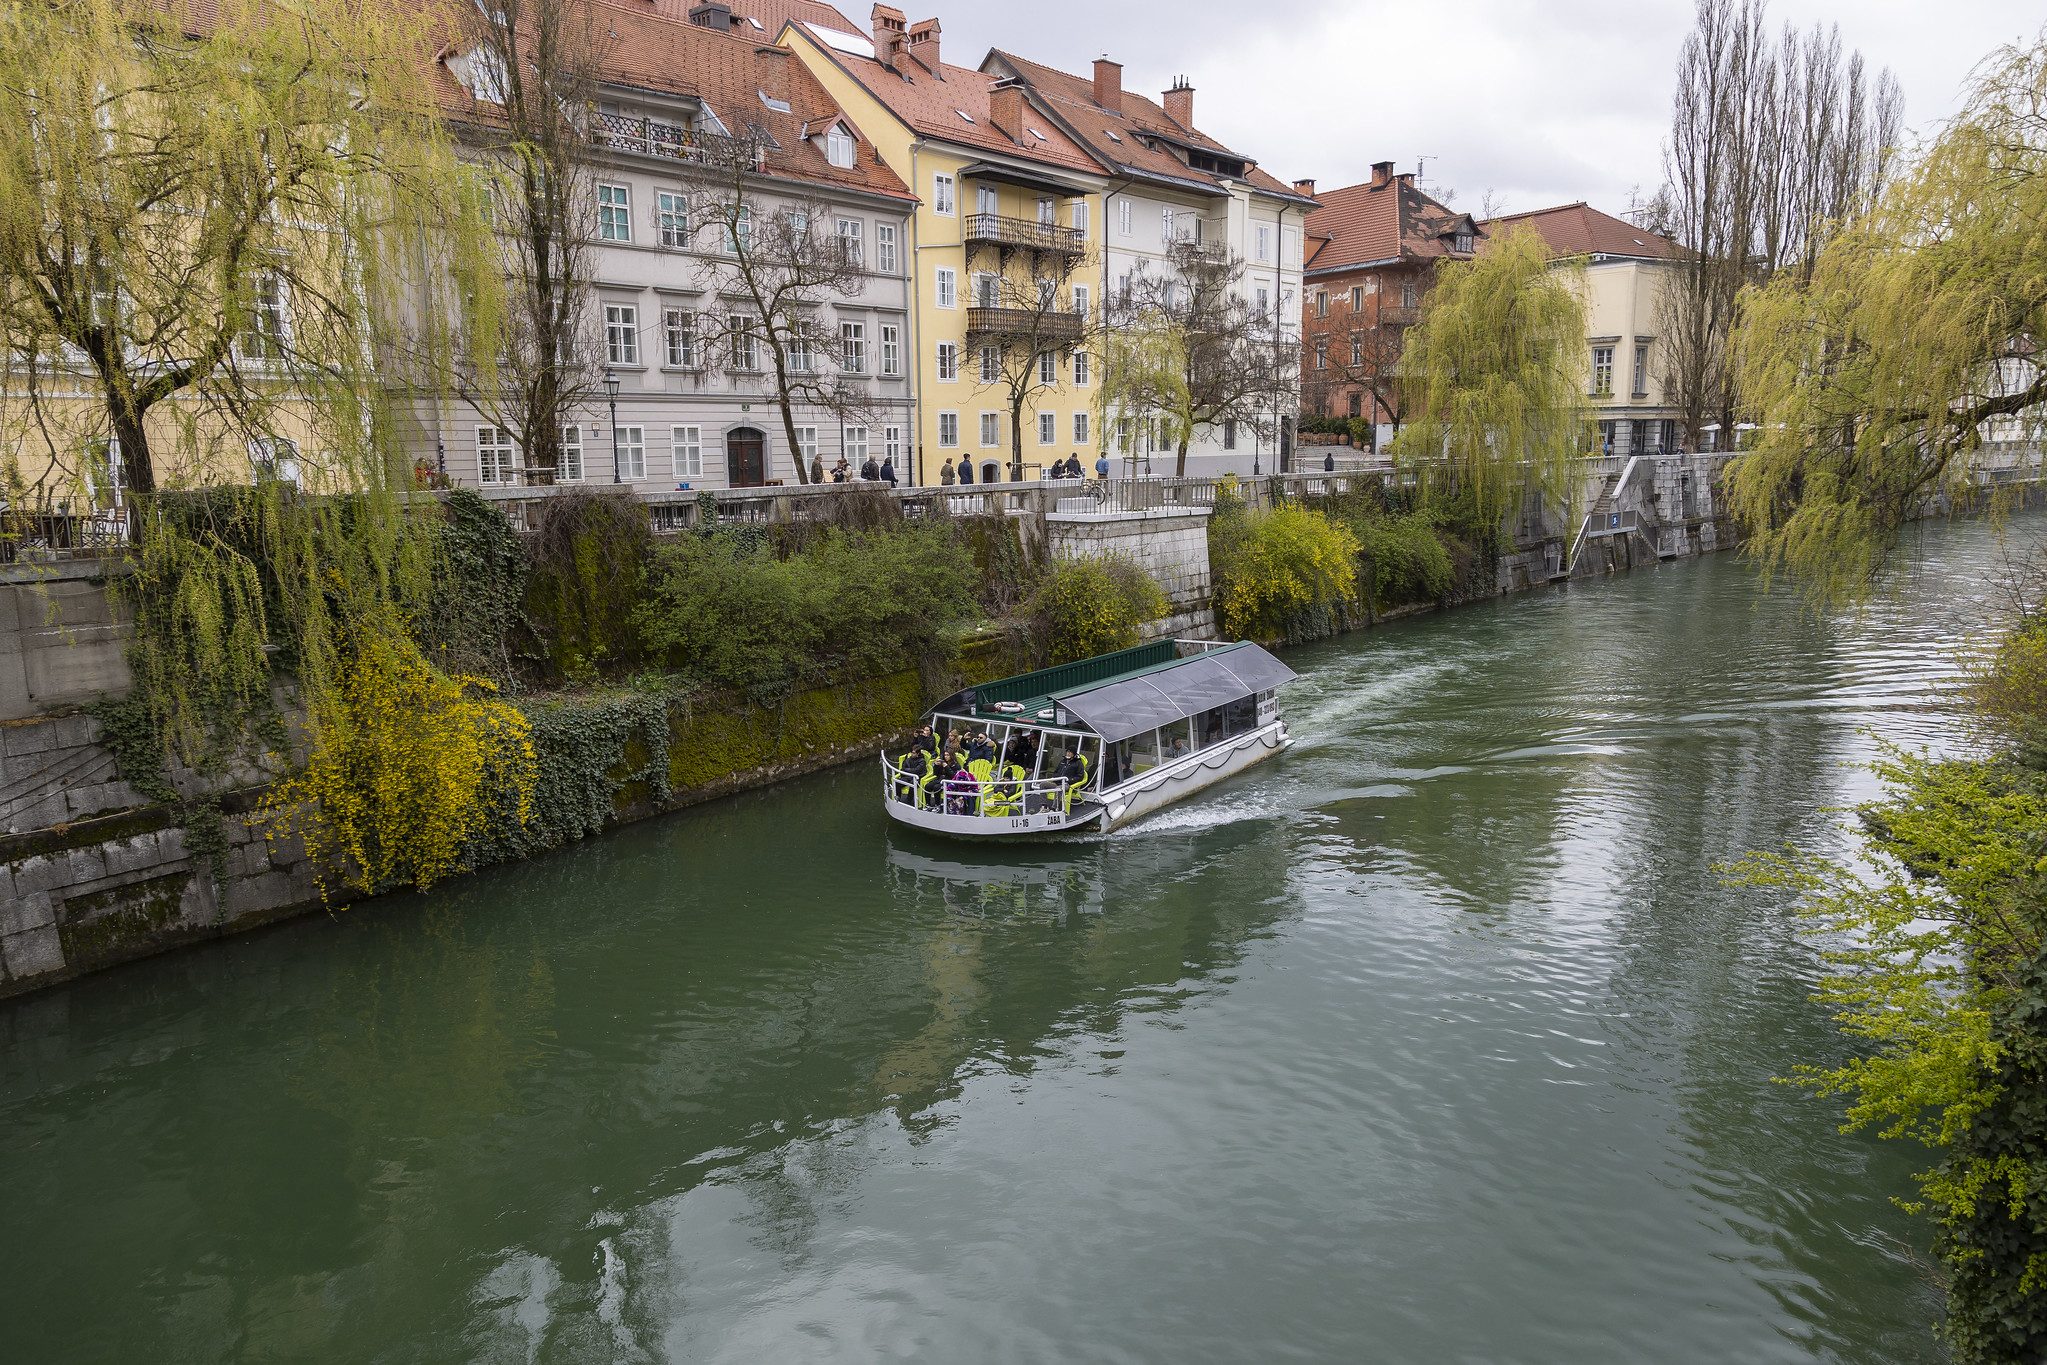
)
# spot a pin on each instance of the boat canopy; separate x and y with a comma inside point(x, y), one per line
point(1129, 692)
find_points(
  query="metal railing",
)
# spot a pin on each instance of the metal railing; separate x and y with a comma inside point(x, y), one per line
point(996, 230)
point(674, 141)
point(996, 799)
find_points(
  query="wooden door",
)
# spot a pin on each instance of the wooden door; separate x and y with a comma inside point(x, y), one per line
point(745, 466)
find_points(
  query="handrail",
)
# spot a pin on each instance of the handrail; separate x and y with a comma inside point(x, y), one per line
point(1001, 793)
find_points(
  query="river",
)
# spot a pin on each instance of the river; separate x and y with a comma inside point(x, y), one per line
point(1435, 1039)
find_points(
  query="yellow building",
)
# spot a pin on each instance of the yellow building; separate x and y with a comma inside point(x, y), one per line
point(1003, 249)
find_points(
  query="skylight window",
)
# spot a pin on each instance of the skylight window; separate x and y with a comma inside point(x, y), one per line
point(1113, 135)
point(964, 114)
point(1038, 135)
point(779, 106)
point(756, 23)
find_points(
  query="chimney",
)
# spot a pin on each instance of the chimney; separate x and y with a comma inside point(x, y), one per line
point(1180, 104)
point(888, 25)
point(1005, 108)
point(1305, 188)
point(924, 43)
point(1382, 171)
point(1109, 84)
point(715, 15)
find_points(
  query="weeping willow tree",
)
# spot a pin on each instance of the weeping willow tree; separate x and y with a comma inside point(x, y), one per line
point(1142, 379)
point(220, 229)
point(1494, 377)
point(1911, 353)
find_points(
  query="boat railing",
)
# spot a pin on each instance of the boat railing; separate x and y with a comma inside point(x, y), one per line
point(994, 799)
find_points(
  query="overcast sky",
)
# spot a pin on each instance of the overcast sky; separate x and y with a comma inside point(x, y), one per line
point(1539, 103)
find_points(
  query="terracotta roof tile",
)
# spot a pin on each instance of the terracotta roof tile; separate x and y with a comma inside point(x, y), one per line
point(1581, 230)
point(932, 104)
point(1365, 223)
point(728, 72)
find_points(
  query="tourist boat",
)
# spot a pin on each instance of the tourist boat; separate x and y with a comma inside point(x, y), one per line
point(1149, 726)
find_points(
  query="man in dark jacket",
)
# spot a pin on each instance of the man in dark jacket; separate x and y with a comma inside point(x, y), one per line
point(979, 750)
point(966, 471)
point(1329, 463)
point(888, 470)
point(869, 470)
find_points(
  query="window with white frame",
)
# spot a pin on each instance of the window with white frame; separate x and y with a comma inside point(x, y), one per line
point(985, 285)
point(838, 146)
point(687, 447)
point(672, 212)
point(991, 364)
point(853, 440)
point(1080, 425)
point(1230, 434)
point(1641, 389)
point(570, 467)
point(850, 250)
point(948, 429)
point(892, 444)
point(743, 343)
point(1265, 241)
point(1321, 353)
point(622, 333)
point(1166, 224)
point(853, 347)
point(1357, 297)
point(885, 248)
point(1048, 428)
point(948, 362)
point(1123, 217)
point(737, 225)
point(614, 213)
point(1048, 368)
point(891, 349)
point(1048, 212)
point(1461, 242)
point(806, 444)
point(1077, 213)
point(801, 358)
point(1080, 369)
point(269, 329)
point(991, 429)
point(1264, 300)
point(948, 287)
point(1602, 371)
point(1321, 303)
point(1408, 295)
point(1357, 349)
point(497, 459)
point(270, 457)
point(632, 452)
point(1080, 299)
point(941, 195)
point(678, 333)
point(1048, 293)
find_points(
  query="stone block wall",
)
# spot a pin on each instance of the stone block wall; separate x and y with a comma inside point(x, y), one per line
point(1169, 544)
point(63, 639)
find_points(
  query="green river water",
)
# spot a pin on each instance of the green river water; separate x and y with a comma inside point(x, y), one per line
point(1434, 1039)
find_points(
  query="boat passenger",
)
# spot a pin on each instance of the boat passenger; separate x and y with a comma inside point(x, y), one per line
point(924, 741)
point(979, 749)
point(915, 764)
point(1179, 748)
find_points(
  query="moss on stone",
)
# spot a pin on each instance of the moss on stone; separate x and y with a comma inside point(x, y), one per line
point(91, 932)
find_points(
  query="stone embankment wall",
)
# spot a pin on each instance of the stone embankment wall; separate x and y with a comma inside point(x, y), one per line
point(92, 872)
point(1170, 544)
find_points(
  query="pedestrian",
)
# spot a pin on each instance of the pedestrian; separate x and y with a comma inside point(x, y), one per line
point(817, 469)
point(1329, 463)
point(945, 475)
point(966, 471)
point(841, 471)
point(870, 471)
point(888, 470)
point(1102, 466)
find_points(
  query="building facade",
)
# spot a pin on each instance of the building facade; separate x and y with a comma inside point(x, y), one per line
point(691, 112)
point(1372, 255)
point(1626, 271)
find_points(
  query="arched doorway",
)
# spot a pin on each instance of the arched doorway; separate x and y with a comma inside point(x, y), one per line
point(991, 472)
point(746, 463)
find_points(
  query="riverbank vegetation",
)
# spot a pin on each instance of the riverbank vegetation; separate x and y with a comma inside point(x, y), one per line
point(1879, 378)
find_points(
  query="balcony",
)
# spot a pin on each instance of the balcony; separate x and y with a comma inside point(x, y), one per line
point(1399, 317)
point(1047, 327)
point(1013, 234)
point(652, 138)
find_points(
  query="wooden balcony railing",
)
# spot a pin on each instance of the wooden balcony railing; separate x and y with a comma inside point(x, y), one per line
point(994, 229)
point(1047, 325)
point(674, 141)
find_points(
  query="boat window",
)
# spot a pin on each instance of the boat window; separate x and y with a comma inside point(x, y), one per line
point(1211, 728)
point(1144, 752)
point(1091, 750)
point(1240, 717)
point(1176, 740)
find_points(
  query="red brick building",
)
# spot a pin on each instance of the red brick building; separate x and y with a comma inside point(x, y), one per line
point(1371, 253)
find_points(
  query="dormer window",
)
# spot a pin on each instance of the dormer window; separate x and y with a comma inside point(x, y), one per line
point(486, 71)
point(838, 146)
point(1461, 242)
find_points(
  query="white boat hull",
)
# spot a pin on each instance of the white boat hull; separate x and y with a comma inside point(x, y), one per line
point(1151, 790)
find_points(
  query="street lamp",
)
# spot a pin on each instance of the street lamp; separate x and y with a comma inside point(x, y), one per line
point(611, 390)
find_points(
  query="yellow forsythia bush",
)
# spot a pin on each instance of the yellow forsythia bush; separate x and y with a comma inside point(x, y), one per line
point(1279, 566)
point(1085, 607)
point(414, 766)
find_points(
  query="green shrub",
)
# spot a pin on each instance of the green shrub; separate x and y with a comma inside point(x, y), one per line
point(726, 611)
point(1290, 573)
point(1406, 559)
point(1085, 607)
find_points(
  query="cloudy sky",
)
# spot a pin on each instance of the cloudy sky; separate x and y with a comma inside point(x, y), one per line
point(1539, 103)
